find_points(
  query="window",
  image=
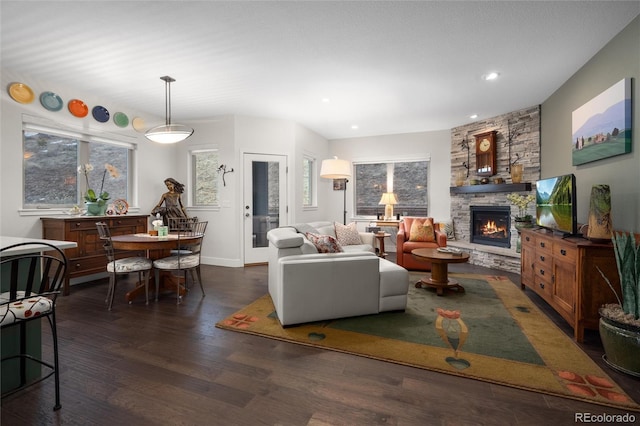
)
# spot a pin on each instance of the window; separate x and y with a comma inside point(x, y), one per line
point(308, 182)
point(407, 179)
point(204, 177)
point(50, 166)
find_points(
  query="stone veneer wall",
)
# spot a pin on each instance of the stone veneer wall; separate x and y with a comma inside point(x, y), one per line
point(526, 144)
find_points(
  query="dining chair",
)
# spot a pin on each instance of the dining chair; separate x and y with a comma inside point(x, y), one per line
point(186, 259)
point(178, 224)
point(33, 281)
point(181, 223)
point(122, 266)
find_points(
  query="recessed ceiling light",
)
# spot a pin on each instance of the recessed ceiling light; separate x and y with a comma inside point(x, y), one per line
point(473, 116)
point(326, 100)
point(491, 76)
point(354, 126)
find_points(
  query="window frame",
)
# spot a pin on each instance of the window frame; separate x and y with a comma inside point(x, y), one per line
point(356, 162)
point(191, 194)
point(313, 182)
point(84, 139)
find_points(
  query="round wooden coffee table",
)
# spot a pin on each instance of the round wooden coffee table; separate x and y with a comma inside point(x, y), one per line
point(439, 270)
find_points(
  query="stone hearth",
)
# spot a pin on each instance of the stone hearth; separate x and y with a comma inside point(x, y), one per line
point(524, 126)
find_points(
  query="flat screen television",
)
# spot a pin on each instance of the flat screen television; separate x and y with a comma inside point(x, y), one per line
point(556, 204)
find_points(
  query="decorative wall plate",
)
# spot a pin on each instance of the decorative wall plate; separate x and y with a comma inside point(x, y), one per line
point(51, 101)
point(138, 124)
point(100, 113)
point(121, 119)
point(121, 206)
point(21, 93)
point(78, 108)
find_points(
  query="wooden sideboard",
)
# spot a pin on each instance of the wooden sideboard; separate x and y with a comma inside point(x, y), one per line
point(89, 256)
point(562, 270)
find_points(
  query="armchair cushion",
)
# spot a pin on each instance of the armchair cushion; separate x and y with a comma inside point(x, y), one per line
point(325, 243)
point(422, 231)
point(347, 235)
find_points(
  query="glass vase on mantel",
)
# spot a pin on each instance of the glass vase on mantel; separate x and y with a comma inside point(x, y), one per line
point(96, 208)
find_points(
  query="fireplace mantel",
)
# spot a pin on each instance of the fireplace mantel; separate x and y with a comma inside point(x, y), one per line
point(490, 187)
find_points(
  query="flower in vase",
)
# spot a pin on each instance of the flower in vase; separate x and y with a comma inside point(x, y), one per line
point(91, 195)
point(522, 202)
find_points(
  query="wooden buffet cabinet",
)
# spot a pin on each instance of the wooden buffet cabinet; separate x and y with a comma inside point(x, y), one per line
point(89, 256)
point(562, 270)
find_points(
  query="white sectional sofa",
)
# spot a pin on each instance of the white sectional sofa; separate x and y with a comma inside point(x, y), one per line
point(308, 286)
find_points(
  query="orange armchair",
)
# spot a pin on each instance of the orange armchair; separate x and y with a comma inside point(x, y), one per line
point(404, 245)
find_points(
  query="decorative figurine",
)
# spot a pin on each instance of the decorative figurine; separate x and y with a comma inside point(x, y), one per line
point(172, 202)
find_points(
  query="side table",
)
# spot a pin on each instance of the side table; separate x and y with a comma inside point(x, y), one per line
point(380, 236)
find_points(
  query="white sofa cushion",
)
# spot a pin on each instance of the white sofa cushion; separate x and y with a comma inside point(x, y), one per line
point(347, 235)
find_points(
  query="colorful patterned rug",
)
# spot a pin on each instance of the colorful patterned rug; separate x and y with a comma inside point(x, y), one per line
point(492, 332)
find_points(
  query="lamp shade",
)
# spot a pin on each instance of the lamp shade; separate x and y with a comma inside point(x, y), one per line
point(169, 133)
point(388, 198)
point(335, 168)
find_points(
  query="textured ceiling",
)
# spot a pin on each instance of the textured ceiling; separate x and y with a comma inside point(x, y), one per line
point(389, 67)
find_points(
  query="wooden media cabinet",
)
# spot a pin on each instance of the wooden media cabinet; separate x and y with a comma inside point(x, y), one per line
point(562, 270)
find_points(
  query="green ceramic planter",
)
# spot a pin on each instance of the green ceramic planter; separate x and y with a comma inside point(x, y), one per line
point(96, 208)
point(621, 344)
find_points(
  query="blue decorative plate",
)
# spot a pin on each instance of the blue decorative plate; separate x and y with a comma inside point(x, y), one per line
point(121, 119)
point(100, 113)
point(51, 101)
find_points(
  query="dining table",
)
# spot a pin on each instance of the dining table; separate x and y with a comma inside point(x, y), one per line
point(156, 247)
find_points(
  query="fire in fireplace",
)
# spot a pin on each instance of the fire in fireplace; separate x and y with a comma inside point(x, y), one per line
point(490, 225)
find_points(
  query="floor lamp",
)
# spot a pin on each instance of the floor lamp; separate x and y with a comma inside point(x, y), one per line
point(337, 169)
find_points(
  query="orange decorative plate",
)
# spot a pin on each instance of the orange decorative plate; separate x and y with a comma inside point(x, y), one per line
point(78, 108)
point(22, 93)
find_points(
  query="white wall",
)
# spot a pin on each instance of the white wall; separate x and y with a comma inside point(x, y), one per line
point(399, 147)
point(619, 59)
point(154, 162)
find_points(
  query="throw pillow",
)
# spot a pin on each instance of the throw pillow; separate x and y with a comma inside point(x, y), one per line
point(447, 228)
point(324, 243)
point(422, 231)
point(347, 235)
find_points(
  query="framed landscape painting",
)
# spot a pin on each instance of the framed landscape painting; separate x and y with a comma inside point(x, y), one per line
point(601, 128)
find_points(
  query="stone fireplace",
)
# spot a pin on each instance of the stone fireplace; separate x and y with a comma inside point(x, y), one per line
point(490, 225)
point(517, 140)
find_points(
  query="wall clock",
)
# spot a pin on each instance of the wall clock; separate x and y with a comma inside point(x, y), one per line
point(486, 156)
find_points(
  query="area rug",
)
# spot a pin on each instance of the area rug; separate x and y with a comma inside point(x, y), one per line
point(491, 332)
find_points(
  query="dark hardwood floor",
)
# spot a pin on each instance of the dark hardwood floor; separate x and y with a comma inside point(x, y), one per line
point(164, 364)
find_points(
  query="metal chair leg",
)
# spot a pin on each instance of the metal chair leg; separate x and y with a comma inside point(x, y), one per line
point(56, 364)
point(113, 289)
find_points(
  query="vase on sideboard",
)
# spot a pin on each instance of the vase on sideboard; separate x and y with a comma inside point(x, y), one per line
point(96, 208)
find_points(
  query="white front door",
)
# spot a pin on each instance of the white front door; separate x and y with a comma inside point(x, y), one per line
point(265, 202)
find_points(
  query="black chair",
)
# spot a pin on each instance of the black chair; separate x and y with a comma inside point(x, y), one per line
point(186, 259)
point(33, 286)
point(122, 266)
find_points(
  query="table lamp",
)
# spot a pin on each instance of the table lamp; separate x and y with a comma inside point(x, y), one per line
point(335, 168)
point(388, 199)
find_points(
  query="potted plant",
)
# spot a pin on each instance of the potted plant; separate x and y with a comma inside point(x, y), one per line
point(97, 202)
point(523, 219)
point(620, 322)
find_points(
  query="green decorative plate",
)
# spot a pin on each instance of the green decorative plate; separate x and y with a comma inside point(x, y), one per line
point(121, 119)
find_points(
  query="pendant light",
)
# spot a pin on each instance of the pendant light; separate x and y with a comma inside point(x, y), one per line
point(168, 133)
